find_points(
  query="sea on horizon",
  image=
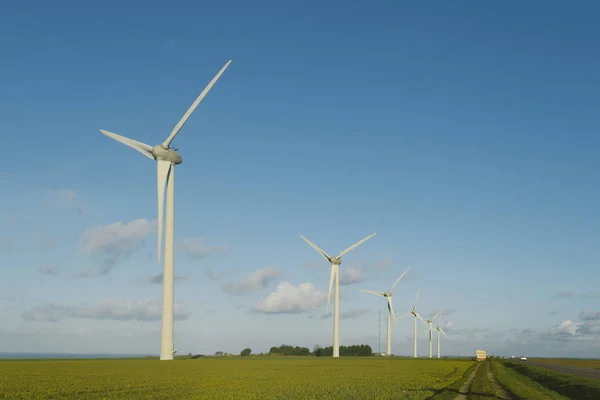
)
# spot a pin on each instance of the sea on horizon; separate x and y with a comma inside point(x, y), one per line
point(67, 355)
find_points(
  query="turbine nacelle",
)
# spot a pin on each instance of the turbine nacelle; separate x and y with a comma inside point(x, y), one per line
point(166, 154)
point(335, 261)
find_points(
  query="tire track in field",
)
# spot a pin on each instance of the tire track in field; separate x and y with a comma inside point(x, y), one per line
point(500, 392)
point(464, 389)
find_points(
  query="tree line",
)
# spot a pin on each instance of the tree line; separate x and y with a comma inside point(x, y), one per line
point(318, 351)
point(345, 351)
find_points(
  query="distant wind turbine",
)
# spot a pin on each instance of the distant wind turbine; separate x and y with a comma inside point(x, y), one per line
point(166, 158)
point(439, 329)
point(429, 321)
point(335, 274)
point(390, 314)
point(414, 313)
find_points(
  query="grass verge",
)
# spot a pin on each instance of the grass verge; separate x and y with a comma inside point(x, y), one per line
point(567, 385)
point(521, 387)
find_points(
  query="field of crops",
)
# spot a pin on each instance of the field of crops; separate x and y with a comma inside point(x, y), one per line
point(229, 378)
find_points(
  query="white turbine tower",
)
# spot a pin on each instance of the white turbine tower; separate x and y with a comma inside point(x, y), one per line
point(439, 329)
point(429, 321)
point(390, 314)
point(335, 274)
point(166, 158)
point(414, 313)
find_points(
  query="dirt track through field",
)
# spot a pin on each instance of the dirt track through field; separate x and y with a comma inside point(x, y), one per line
point(566, 369)
point(499, 391)
point(464, 389)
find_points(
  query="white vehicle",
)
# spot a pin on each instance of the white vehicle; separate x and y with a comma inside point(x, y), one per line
point(523, 358)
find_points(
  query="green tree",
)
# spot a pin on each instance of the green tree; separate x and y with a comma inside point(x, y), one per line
point(246, 352)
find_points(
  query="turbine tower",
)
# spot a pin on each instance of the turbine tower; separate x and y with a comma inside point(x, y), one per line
point(429, 321)
point(166, 158)
point(335, 274)
point(414, 313)
point(439, 329)
point(390, 314)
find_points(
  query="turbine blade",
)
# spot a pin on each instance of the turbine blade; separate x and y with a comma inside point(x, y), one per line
point(421, 318)
point(405, 315)
point(444, 333)
point(440, 319)
point(134, 144)
point(314, 246)
point(436, 314)
point(372, 292)
point(331, 277)
point(417, 298)
point(189, 112)
point(355, 245)
point(398, 280)
point(391, 308)
point(162, 175)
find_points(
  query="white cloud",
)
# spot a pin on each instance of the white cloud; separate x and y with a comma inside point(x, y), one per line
point(143, 310)
point(158, 279)
point(447, 311)
point(587, 328)
point(213, 273)
point(109, 243)
point(590, 316)
point(256, 280)
point(82, 273)
point(196, 249)
point(590, 327)
point(383, 264)
point(67, 195)
point(567, 327)
point(350, 275)
point(563, 294)
point(48, 270)
point(350, 314)
point(288, 298)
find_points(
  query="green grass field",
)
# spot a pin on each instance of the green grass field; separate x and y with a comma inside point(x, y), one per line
point(284, 378)
point(229, 378)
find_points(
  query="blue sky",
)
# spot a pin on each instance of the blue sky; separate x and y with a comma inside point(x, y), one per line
point(465, 135)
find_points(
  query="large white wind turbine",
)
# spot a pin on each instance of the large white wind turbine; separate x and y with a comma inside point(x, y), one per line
point(416, 314)
point(335, 274)
point(166, 158)
point(390, 314)
point(429, 321)
point(439, 329)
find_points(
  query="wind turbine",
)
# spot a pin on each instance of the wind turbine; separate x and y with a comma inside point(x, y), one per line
point(439, 329)
point(414, 313)
point(166, 158)
point(335, 274)
point(390, 314)
point(429, 321)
